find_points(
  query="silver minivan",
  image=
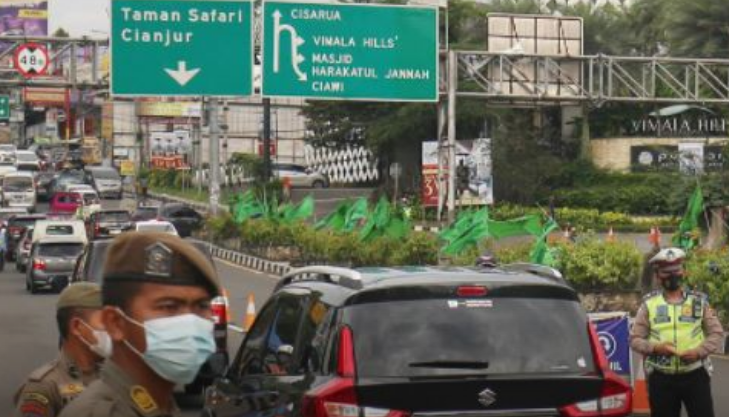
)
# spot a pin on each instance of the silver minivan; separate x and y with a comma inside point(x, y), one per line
point(18, 190)
point(106, 181)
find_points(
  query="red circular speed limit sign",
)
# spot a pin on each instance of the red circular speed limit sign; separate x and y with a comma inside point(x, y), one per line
point(31, 59)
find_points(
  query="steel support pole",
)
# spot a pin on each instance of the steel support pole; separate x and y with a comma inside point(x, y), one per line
point(452, 88)
point(214, 156)
point(440, 180)
point(266, 140)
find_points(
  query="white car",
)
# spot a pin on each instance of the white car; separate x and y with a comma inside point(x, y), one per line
point(27, 161)
point(90, 201)
point(156, 226)
point(61, 229)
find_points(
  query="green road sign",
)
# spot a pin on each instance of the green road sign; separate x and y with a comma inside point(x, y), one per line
point(181, 47)
point(356, 52)
point(4, 107)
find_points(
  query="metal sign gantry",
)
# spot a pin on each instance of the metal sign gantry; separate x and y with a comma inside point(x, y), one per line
point(510, 79)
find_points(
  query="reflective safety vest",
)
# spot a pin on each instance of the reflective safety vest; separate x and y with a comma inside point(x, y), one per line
point(679, 324)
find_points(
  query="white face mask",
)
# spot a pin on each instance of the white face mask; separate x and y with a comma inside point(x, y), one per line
point(177, 346)
point(103, 346)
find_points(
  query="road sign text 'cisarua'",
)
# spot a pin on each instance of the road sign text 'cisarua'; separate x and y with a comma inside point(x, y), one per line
point(354, 52)
point(182, 47)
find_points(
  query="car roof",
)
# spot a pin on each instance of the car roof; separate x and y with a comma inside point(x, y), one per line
point(60, 239)
point(59, 222)
point(19, 174)
point(356, 280)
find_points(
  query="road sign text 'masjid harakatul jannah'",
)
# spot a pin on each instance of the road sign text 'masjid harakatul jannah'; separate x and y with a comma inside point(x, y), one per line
point(182, 47)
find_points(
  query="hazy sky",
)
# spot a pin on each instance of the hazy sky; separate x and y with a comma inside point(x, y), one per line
point(79, 17)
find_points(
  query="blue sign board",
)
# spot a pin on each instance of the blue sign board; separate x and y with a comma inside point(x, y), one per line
point(614, 336)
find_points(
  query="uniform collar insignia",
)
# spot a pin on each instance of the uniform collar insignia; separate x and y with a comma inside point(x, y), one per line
point(142, 399)
point(158, 260)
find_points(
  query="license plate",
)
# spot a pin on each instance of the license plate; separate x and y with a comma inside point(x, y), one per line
point(114, 232)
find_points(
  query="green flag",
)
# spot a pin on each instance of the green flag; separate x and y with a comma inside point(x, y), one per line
point(541, 253)
point(688, 230)
point(245, 206)
point(336, 219)
point(290, 213)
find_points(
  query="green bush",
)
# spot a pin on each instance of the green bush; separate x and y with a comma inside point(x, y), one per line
point(419, 248)
point(222, 227)
point(708, 271)
point(595, 265)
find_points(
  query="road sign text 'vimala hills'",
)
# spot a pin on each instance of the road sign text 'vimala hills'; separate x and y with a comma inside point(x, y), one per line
point(353, 52)
point(182, 47)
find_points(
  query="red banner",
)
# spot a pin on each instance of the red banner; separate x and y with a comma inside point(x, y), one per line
point(168, 162)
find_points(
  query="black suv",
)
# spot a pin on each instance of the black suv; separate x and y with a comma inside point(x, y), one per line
point(420, 341)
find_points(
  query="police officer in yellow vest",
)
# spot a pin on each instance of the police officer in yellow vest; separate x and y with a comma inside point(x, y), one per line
point(676, 331)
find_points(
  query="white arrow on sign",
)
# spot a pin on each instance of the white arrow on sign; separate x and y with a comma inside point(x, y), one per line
point(181, 74)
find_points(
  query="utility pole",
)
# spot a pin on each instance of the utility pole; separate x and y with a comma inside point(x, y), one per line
point(266, 140)
point(214, 156)
point(452, 87)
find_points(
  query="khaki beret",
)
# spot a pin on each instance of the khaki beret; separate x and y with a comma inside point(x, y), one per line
point(80, 295)
point(159, 258)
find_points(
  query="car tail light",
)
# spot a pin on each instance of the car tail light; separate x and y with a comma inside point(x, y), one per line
point(15, 230)
point(219, 307)
point(616, 397)
point(471, 291)
point(337, 397)
point(39, 265)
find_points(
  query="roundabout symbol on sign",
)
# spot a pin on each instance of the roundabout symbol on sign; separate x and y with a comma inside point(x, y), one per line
point(608, 343)
point(31, 59)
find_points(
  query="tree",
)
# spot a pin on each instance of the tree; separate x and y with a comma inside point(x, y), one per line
point(61, 33)
point(698, 28)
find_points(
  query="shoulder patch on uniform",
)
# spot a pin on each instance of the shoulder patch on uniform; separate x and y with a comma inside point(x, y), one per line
point(41, 372)
point(33, 404)
point(142, 399)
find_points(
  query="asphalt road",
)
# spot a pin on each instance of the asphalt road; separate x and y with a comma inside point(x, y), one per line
point(29, 335)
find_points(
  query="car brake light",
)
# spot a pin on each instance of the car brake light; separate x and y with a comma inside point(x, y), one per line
point(219, 308)
point(338, 398)
point(39, 265)
point(616, 397)
point(471, 291)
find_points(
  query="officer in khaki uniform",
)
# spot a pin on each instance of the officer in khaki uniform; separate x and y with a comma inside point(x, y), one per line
point(156, 292)
point(83, 346)
point(676, 331)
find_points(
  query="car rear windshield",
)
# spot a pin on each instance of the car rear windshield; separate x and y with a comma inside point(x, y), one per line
point(433, 337)
point(26, 157)
point(22, 221)
point(59, 230)
point(60, 249)
point(164, 228)
point(106, 174)
point(116, 216)
point(17, 184)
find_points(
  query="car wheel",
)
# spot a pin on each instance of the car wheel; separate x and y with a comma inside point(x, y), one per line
point(318, 184)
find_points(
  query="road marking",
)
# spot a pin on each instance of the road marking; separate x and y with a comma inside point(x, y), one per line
point(276, 277)
point(236, 329)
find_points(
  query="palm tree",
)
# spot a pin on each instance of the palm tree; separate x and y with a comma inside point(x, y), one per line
point(699, 28)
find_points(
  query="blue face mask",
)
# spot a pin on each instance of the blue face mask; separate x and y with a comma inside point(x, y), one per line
point(176, 346)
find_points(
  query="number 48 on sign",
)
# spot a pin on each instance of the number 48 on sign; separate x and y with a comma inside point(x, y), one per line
point(31, 59)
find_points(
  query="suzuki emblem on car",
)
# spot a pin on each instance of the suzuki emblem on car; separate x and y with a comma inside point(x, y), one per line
point(487, 397)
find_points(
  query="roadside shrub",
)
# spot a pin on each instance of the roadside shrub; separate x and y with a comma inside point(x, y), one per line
point(221, 227)
point(419, 248)
point(595, 265)
point(708, 271)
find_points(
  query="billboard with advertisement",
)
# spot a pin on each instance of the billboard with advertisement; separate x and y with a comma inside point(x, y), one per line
point(170, 150)
point(24, 18)
point(688, 158)
point(474, 159)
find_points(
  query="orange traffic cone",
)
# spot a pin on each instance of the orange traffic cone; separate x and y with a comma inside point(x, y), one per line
point(250, 313)
point(611, 236)
point(655, 237)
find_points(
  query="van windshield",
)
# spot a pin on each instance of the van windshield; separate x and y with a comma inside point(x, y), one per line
point(105, 174)
point(17, 184)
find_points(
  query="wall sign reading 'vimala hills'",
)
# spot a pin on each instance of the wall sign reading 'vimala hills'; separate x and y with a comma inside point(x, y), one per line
point(679, 126)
